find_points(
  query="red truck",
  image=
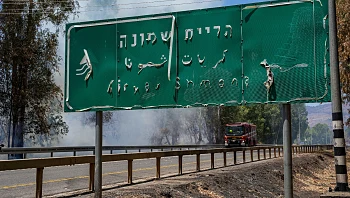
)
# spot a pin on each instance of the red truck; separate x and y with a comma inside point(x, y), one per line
point(240, 134)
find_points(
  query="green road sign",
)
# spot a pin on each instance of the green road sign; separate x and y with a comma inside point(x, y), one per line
point(222, 56)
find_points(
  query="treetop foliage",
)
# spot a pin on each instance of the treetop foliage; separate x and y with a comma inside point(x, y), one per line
point(30, 97)
point(343, 21)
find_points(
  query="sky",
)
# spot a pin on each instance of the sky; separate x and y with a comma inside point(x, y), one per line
point(91, 10)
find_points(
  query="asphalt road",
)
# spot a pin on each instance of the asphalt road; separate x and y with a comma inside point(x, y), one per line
point(21, 183)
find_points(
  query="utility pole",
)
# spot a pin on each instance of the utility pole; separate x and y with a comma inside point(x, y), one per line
point(337, 113)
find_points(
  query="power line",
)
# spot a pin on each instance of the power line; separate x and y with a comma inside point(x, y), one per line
point(95, 6)
point(118, 8)
point(24, 2)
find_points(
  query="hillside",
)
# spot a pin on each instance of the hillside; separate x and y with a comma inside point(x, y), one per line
point(323, 114)
point(313, 175)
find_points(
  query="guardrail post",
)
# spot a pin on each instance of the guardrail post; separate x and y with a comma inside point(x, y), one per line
point(111, 152)
point(158, 168)
point(251, 155)
point(243, 156)
point(74, 153)
point(130, 171)
point(198, 162)
point(274, 151)
point(39, 182)
point(279, 152)
point(24, 155)
point(51, 154)
point(180, 164)
point(270, 153)
point(234, 157)
point(258, 154)
point(264, 153)
point(225, 164)
point(92, 177)
point(212, 160)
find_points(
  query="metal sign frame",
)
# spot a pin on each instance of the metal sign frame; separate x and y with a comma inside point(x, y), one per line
point(242, 61)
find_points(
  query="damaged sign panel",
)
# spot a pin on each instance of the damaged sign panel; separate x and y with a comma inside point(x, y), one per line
point(287, 55)
point(247, 54)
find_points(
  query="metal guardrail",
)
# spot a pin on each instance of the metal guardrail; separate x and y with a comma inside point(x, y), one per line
point(40, 164)
point(75, 149)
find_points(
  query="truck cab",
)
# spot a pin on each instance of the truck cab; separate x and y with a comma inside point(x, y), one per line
point(240, 134)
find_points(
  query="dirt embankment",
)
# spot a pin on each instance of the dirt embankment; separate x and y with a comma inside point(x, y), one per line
point(313, 175)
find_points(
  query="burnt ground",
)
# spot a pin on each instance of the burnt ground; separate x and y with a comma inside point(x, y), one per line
point(313, 175)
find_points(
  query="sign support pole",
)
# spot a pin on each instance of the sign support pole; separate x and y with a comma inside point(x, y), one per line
point(337, 114)
point(98, 155)
point(287, 152)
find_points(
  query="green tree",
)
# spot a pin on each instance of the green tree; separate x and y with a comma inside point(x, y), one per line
point(343, 16)
point(31, 101)
point(309, 133)
point(272, 129)
point(319, 134)
point(299, 122)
